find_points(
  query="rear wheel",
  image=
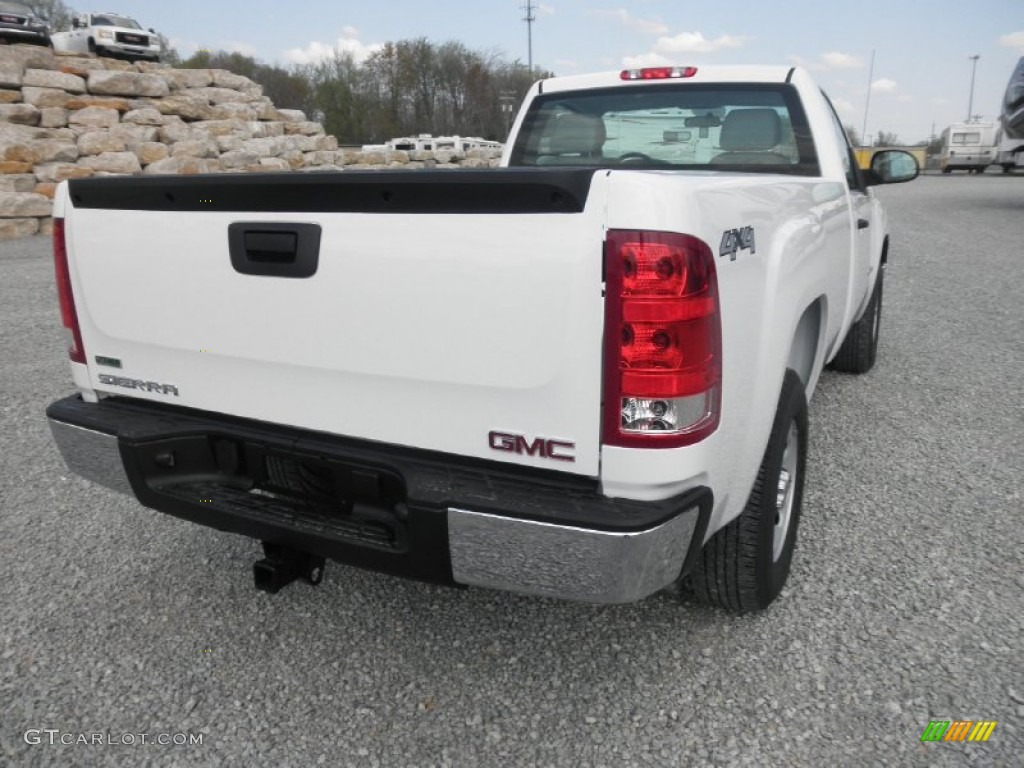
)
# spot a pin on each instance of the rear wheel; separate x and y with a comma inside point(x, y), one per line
point(860, 347)
point(744, 566)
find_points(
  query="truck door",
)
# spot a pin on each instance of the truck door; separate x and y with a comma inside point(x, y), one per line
point(860, 224)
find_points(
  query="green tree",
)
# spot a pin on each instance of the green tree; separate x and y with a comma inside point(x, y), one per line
point(887, 139)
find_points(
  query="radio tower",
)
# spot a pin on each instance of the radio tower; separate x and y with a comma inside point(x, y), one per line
point(529, 18)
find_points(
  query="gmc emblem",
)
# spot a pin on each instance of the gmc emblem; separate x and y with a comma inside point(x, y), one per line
point(557, 450)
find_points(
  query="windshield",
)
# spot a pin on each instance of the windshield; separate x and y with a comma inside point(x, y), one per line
point(109, 20)
point(754, 128)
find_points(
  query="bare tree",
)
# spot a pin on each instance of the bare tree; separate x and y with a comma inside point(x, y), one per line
point(55, 11)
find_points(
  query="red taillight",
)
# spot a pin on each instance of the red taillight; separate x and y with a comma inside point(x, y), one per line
point(67, 300)
point(657, 73)
point(663, 357)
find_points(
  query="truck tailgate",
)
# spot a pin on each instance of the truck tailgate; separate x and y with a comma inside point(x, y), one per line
point(444, 307)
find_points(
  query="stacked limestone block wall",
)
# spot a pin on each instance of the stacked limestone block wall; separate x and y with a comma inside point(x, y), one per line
point(68, 117)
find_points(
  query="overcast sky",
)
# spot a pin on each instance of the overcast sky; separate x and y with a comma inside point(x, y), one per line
point(922, 72)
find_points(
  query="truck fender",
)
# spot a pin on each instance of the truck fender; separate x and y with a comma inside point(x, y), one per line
point(805, 349)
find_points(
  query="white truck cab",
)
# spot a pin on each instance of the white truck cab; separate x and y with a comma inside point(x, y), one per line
point(109, 34)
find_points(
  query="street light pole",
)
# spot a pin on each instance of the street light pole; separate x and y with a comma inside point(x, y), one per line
point(970, 102)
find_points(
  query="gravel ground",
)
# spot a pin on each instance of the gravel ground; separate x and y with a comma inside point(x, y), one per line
point(906, 601)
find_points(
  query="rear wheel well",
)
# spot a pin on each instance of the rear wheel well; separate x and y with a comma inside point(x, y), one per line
point(803, 350)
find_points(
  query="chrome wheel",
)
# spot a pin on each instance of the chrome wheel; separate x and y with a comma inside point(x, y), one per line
point(784, 491)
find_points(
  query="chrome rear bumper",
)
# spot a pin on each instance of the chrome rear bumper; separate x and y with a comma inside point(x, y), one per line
point(569, 562)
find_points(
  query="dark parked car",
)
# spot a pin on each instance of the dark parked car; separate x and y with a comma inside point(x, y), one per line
point(20, 24)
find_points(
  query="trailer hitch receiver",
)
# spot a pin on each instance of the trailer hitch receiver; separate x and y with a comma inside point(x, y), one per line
point(282, 565)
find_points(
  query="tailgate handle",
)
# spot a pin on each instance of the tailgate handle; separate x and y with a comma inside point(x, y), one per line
point(272, 249)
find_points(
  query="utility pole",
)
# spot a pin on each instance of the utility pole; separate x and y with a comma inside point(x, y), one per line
point(867, 101)
point(529, 18)
point(970, 102)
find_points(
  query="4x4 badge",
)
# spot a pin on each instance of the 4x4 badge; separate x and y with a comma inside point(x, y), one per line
point(734, 240)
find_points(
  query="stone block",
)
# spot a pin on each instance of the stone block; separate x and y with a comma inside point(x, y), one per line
point(106, 102)
point(180, 79)
point(112, 162)
point(98, 142)
point(19, 114)
point(45, 97)
point(20, 205)
point(14, 166)
point(239, 159)
point(151, 152)
point(94, 117)
point(48, 78)
point(11, 183)
point(127, 84)
point(292, 115)
point(184, 166)
point(53, 117)
point(55, 151)
point(57, 172)
point(147, 116)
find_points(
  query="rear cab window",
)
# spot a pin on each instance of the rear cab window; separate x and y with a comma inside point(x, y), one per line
point(756, 128)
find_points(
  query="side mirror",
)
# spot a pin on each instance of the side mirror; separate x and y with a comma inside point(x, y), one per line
point(892, 166)
point(152, 30)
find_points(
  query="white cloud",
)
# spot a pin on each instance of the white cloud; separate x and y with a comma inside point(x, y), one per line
point(843, 107)
point(667, 50)
point(349, 43)
point(649, 26)
point(838, 60)
point(1013, 40)
point(695, 42)
point(570, 64)
point(827, 61)
point(646, 60)
point(884, 85)
point(547, 10)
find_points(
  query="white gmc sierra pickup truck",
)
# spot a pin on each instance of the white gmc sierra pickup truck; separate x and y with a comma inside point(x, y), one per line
point(584, 374)
point(109, 34)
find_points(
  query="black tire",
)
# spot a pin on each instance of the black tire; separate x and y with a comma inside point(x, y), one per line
point(947, 170)
point(92, 47)
point(860, 347)
point(740, 568)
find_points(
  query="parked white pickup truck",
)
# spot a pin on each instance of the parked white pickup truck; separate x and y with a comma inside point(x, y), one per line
point(108, 34)
point(583, 375)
